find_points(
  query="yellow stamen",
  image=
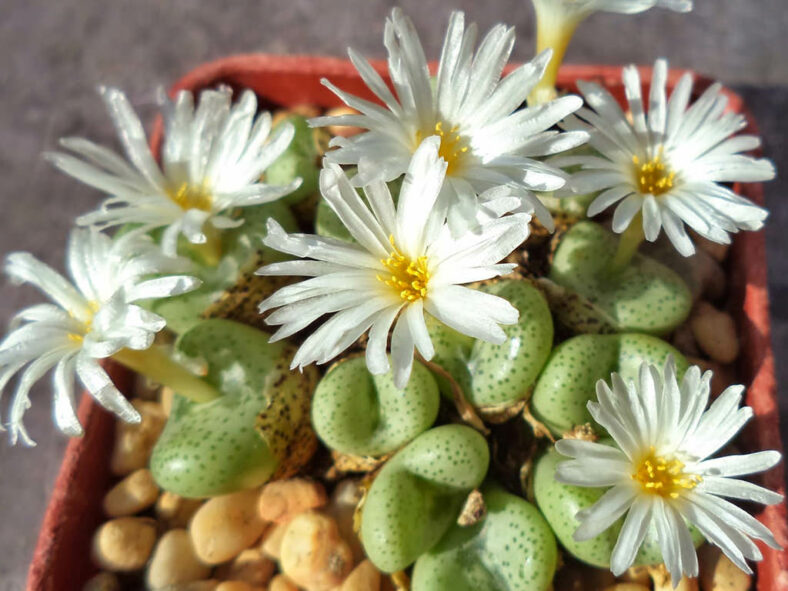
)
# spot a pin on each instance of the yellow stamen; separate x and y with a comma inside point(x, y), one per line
point(190, 197)
point(453, 146)
point(664, 476)
point(409, 278)
point(653, 177)
point(87, 325)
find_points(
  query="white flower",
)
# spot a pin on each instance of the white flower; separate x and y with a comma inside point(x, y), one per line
point(668, 162)
point(483, 138)
point(405, 263)
point(660, 471)
point(574, 11)
point(211, 161)
point(93, 318)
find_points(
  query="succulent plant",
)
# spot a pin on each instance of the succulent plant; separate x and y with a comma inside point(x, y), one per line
point(497, 375)
point(568, 381)
point(299, 160)
point(419, 493)
point(242, 252)
point(560, 502)
point(241, 439)
point(645, 296)
point(513, 548)
point(355, 412)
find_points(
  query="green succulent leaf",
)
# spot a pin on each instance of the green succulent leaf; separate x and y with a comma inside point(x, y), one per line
point(357, 413)
point(646, 296)
point(512, 549)
point(419, 493)
point(568, 381)
point(219, 447)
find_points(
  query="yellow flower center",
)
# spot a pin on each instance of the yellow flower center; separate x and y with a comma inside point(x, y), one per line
point(408, 278)
point(87, 325)
point(190, 197)
point(664, 476)
point(453, 146)
point(653, 177)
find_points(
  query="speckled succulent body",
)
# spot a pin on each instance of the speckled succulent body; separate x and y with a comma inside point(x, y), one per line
point(560, 502)
point(498, 375)
point(419, 493)
point(357, 413)
point(568, 381)
point(242, 252)
point(512, 549)
point(646, 296)
point(239, 440)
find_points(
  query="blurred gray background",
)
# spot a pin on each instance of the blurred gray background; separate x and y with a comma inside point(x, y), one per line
point(54, 53)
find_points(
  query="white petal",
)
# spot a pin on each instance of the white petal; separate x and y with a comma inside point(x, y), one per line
point(631, 537)
point(401, 352)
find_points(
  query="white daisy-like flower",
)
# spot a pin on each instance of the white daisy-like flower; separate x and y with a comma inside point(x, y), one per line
point(404, 264)
point(92, 318)
point(212, 158)
point(660, 472)
point(669, 161)
point(484, 139)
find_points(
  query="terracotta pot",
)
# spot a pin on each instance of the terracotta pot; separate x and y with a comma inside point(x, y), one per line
point(61, 560)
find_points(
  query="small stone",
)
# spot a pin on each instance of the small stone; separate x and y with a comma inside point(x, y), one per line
point(342, 507)
point(272, 541)
point(718, 251)
point(208, 585)
point(174, 510)
point(715, 332)
point(712, 276)
point(174, 561)
point(636, 574)
point(343, 130)
point(237, 586)
point(718, 573)
point(124, 544)
point(684, 341)
point(661, 578)
point(313, 555)
point(365, 577)
point(627, 587)
point(133, 494)
point(226, 525)
point(134, 443)
point(282, 500)
point(473, 511)
point(102, 582)
point(250, 566)
point(281, 583)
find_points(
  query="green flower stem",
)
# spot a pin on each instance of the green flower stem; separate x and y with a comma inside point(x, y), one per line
point(556, 34)
point(210, 251)
point(628, 245)
point(156, 364)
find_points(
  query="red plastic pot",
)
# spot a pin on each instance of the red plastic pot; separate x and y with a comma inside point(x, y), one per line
point(61, 560)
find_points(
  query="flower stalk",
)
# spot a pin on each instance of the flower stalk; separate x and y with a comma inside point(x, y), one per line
point(628, 245)
point(156, 364)
point(210, 251)
point(551, 33)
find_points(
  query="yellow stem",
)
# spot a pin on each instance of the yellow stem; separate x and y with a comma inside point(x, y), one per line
point(156, 364)
point(628, 245)
point(556, 33)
